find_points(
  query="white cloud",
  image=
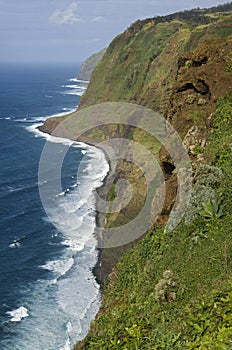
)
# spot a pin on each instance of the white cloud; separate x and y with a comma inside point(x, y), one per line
point(97, 19)
point(68, 16)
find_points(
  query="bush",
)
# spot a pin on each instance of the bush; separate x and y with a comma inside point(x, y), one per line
point(208, 175)
point(212, 209)
point(203, 196)
point(166, 288)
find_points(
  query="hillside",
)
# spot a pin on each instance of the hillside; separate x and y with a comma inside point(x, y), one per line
point(170, 289)
point(161, 63)
point(173, 290)
point(140, 65)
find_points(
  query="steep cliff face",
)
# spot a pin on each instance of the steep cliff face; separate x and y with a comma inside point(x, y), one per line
point(140, 65)
point(177, 65)
point(88, 66)
point(203, 76)
point(180, 66)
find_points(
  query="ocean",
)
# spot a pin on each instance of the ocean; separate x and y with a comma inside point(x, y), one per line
point(48, 294)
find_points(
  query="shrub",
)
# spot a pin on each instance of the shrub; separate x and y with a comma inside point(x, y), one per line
point(199, 195)
point(208, 175)
point(166, 288)
point(203, 198)
point(212, 209)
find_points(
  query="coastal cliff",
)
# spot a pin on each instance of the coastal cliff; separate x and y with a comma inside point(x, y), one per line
point(171, 290)
point(88, 66)
point(176, 65)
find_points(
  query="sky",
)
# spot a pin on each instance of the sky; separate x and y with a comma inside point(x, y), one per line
point(71, 31)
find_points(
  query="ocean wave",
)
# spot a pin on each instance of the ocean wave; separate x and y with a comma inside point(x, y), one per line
point(26, 119)
point(67, 346)
point(15, 244)
point(82, 145)
point(41, 119)
point(60, 114)
point(18, 242)
point(20, 188)
point(6, 118)
point(79, 81)
point(59, 267)
point(63, 193)
point(34, 129)
point(31, 120)
point(8, 191)
point(18, 314)
point(73, 92)
point(74, 203)
point(72, 301)
point(69, 110)
point(75, 87)
point(73, 244)
point(72, 292)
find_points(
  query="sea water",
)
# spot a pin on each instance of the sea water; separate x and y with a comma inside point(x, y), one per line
point(48, 294)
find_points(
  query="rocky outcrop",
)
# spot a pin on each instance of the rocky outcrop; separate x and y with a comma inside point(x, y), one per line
point(202, 78)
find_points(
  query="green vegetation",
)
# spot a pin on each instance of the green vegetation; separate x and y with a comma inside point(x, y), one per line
point(212, 209)
point(139, 65)
point(166, 288)
point(190, 306)
point(198, 116)
point(204, 199)
point(172, 290)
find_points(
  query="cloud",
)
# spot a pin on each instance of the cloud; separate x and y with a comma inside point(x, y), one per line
point(97, 19)
point(68, 16)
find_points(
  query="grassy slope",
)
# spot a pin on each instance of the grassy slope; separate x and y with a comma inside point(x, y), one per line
point(199, 318)
point(140, 66)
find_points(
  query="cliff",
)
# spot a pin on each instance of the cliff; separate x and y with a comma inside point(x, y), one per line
point(176, 65)
point(173, 289)
point(88, 66)
point(140, 65)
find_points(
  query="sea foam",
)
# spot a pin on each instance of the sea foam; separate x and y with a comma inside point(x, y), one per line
point(18, 314)
point(79, 81)
point(70, 293)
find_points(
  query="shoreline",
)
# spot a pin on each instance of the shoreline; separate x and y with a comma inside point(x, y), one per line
point(102, 192)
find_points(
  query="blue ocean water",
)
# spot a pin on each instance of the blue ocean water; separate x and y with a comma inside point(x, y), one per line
point(48, 294)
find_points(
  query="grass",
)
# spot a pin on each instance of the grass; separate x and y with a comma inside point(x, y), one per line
point(139, 67)
point(199, 255)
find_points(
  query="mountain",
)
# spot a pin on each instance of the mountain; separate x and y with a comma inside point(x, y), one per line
point(88, 66)
point(173, 290)
point(170, 289)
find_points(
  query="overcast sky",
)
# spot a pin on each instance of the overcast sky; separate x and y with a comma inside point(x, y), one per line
point(70, 31)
